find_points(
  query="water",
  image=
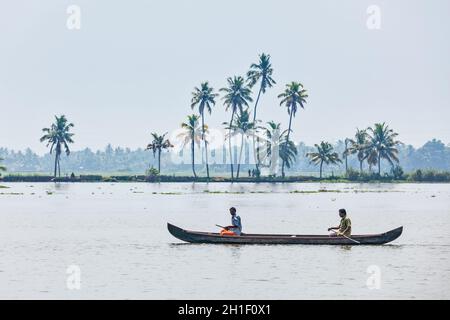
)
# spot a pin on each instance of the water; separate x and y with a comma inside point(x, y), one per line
point(116, 234)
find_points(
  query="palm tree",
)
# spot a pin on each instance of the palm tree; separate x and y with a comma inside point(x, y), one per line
point(237, 95)
point(244, 127)
point(58, 136)
point(382, 144)
point(204, 97)
point(158, 144)
point(323, 155)
point(358, 146)
point(293, 96)
point(260, 72)
point(192, 134)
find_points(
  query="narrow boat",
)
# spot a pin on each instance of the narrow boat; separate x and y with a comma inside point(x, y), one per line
point(248, 238)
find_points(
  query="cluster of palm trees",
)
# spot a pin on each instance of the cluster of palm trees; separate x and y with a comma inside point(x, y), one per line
point(372, 145)
point(237, 97)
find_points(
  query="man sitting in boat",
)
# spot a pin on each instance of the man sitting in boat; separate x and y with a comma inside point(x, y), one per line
point(236, 226)
point(345, 226)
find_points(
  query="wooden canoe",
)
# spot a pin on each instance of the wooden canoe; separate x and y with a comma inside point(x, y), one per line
point(216, 238)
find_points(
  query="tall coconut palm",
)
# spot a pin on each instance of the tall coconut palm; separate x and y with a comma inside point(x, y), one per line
point(323, 155)
point(204, 98)
point(382, 144)
point(158, 144)
point(358, 146)
point(192, 134)
point(244, 128)
point(293, 96)
point(260, 72)
point(57, 137)
point(236, 97)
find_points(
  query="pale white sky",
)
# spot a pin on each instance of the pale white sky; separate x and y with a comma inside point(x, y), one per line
point(132, 66)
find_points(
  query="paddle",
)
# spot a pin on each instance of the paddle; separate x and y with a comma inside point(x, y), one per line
point(347, 237)
point(220, 226)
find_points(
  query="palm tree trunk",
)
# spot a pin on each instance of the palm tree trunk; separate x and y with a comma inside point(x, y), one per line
point(254, 121)
point(59, 166)
point(229, 145)
point(159, 161)
point(206, 146)
point(56, 164)
point(257, 154)
point(240, 156)
point(346, 156)
point(287, 139)
point(346, 165)
point(321, 164)
point(256, 103)
point(360, 166)
point(193, 155)
point(379, 165)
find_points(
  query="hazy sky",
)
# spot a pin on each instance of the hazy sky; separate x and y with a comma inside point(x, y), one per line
point(131, 68)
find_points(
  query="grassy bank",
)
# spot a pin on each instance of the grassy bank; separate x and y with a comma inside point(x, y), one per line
point(416, 176)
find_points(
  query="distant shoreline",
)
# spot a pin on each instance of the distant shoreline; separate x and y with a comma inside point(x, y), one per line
point(175, 179)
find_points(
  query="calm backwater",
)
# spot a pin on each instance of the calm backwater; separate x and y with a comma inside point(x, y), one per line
point(116, 235)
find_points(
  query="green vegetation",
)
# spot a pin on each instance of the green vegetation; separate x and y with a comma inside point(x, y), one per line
point(375, 146)
point(323, 155)
point(288, 153)
point(382, 145)
point(158, 144)
point(2, 168)
point(152, 176)
point(429, 176)
point(358, 147)
point(58, 136)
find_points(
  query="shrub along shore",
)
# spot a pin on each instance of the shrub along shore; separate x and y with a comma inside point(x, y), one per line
point(416, 176)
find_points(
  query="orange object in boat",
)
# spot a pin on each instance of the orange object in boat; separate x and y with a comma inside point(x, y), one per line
point(227, 233)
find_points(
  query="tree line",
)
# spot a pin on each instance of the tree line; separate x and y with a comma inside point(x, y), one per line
point(370, 147)
point(433, 155)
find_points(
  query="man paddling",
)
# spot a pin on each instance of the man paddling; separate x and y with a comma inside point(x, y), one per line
point(236, 226)
point(345, 226)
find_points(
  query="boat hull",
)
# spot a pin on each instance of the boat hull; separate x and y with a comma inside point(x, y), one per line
point(216, 238)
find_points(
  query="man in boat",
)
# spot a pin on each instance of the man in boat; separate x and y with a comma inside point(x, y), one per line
point(236, 226)
point(345, 226)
